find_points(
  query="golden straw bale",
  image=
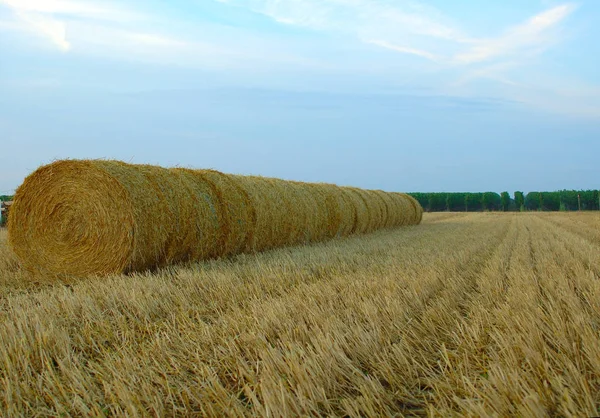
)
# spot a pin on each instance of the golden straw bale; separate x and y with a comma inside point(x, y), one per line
point(360, 208)
point(405, 208)
point(399, 208)
point(298, 205)
point(198, 202)
point(391, 211)
point(301, 216)
point(345, 214)
point(72, 217)
point(351, 200)
point(269, 209)
point(164, 239)
point(238, 215)
point(316, 227)
point(417, 209)
point(308, 221)
point(328, 208)
point(378, 208)
point(372, 209)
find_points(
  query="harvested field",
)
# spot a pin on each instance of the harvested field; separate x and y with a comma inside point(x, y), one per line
point(472, 314)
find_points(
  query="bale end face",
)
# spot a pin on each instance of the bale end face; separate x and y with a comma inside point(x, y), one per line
point(71, 219)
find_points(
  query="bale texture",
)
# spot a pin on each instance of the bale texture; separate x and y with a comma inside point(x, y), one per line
point(96, 217)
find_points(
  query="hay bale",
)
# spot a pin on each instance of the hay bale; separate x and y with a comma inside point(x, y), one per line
point(238, 218)
point(78, 218)
point(372, 208)
point(417, 209)
point(342, 222)
point(391, 217)
point(61, 214)
point(376, 209)
point(273, 226)
point(361, 212)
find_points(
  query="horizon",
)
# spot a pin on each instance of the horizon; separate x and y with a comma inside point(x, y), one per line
point(413, 96)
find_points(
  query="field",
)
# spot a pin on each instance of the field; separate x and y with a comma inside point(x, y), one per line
point(476, 314)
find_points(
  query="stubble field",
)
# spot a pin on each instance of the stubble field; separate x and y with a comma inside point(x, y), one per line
point(482, 314)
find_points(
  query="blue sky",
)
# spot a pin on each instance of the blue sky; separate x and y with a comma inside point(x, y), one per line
point(433, 95)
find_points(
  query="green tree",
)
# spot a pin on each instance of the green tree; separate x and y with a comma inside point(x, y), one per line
point(455, 202)
point(532, 201)
point(505, 197)
point(568, 199)
point(437, 202)
point(491, 201)
point(550, 201)
point(519, 200)
point(473, 201)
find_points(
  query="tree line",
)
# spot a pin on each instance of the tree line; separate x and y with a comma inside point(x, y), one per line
point(563, 200)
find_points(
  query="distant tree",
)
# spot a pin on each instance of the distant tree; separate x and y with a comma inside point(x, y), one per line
point(473, 201)
point(550, 201)
point(532, 201)
point(437, 202)
point(505, 197)
point(491, 201)
point(568, 199)
point(589, 199)
point(455, 202)
point(519, 200)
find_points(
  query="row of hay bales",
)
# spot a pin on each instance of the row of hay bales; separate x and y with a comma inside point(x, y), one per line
point(97, 217)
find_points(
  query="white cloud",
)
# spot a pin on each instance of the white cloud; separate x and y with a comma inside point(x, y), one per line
point(106, 10)
point(533, 34)
point(104, 29)
point(467, 63)
point(404, 50)
point(52, 29)
point(366, 18)
point(410, 27)
point(50, 19)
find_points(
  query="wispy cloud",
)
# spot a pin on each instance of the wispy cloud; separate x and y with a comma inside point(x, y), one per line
point(366, 18)
point(106, 10)
point(109, 29)
point(531, 35)
point(404, 50)
point(410, 27)
point(49, 18)
point(53, 30)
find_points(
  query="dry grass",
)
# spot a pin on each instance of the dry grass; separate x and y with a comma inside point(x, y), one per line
point(465, 315)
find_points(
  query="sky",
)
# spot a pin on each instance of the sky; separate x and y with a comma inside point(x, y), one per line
point(398, 95)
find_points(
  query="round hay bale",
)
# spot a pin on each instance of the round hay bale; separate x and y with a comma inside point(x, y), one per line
point(344, 211)
point(270, 211)
point(361, 211)
point(73, 216)
point(199, 204)
point(286, 226)
point(374, 216)
point(377, 209)
point(330, 218)
point(237, 213)
point(391, 214)
point(318, 219)
point(417, 209)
